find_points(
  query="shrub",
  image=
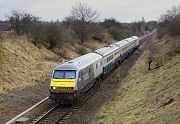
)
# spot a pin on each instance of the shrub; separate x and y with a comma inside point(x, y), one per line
point(1, 36)
point(170, 22)
point(21, 22)
point(117, 77)
point(174, 26)
point(81, 50)
point(100, 37)
point(151, 55)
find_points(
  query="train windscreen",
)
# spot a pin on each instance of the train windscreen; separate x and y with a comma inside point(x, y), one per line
point(58, 74)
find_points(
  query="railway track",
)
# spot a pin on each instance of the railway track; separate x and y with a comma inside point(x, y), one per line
point(54, 115)
point(61, 113)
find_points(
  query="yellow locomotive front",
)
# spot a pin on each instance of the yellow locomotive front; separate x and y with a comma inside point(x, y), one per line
point(63, 84)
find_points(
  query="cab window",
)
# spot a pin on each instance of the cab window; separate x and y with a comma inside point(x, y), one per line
point(70, 75)
point(58, 74)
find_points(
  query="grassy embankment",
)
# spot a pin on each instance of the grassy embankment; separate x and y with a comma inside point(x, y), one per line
point(24, 65)
point(147, 96)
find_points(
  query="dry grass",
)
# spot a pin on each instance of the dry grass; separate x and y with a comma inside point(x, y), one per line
point(23, 65)
point(70, 51)
point(148, 97)
point(167, 47)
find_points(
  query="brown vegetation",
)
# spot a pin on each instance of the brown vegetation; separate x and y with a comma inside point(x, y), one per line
point(22, 64)
point(146, 96)
point(80, 26)
point(170, 22)
point(168, 44)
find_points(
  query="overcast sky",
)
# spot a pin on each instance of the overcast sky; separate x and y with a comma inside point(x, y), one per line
point(122, 10)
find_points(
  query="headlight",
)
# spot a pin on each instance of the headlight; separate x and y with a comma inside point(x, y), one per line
point(53, 88)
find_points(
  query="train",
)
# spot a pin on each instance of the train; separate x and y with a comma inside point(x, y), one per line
point(72, 79)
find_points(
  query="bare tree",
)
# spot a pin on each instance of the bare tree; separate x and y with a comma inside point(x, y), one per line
point(170, 14)
point(170, 22)
point(83, 13)
point(81, 16)
point(21, 22)
point(151, 54)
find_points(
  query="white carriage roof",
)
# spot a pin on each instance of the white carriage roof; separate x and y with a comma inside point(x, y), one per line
point(125, 41)
point(80, 62)
point(135, 37)
point(130, 39)
point(106, 50)
point(121, 43)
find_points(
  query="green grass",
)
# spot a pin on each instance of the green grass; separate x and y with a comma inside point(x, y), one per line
point(147, 92)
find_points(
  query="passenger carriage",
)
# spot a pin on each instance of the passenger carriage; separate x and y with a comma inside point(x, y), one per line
point(110, 56)
point(127, 46)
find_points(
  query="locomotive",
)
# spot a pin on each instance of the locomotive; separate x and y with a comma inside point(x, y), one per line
point(72, 79)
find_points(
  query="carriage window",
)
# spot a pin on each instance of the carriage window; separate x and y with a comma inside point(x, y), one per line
point(89, 70)
point(101, 63)
point(82, 73)
point(79, 74)
point(96, 66)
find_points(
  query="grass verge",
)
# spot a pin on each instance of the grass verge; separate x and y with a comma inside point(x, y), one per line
point(147, 97)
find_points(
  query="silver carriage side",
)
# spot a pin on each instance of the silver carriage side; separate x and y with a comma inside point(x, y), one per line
point(127, 46)
point(110, 56)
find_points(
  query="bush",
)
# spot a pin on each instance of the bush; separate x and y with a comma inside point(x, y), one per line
point(117, 77)
point(117, 30)
point(21, 22)
point(81, 50)
point(99, 37)
point(170, 22)
point(47, 34)
point(174, 26)
point(1, 36)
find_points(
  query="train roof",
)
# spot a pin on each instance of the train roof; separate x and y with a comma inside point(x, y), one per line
point(106, 50)
point(120, 43)
point(80, 62)
point(125, 41)
point(135, 37)
point(130, 39)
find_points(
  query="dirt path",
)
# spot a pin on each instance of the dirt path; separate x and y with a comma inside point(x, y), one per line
point(18, 101)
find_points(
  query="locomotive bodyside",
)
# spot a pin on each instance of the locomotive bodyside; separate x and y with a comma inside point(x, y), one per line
point(72, 79)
